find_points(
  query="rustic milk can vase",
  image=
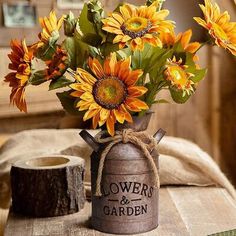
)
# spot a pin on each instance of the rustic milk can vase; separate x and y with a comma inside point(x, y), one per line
point(110, 69)
point(124, 176)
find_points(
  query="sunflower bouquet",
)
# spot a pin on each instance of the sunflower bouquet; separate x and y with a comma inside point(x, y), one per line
point(113, 66)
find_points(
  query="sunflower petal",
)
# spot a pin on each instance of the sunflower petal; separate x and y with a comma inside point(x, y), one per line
point(135, 104)
point(125, 11)
point(95, 121)
point(96, 68)
point(76, 94)
point(124, 69)
point(193, 47)
point(83, 105)
point(128, 116)
point(118, 17)
point(112, 63)
point(133, 77)
point(201, 22)
point(185, 38)
point(86, 76)
point(89, 114)
point(87, 96)
point(110, 123)
point(118, 39)
point(104, 114)
point(137, 91)
point(119, 115)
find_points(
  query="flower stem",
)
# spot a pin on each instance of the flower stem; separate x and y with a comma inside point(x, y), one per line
point(209, 41)
point(160, 4)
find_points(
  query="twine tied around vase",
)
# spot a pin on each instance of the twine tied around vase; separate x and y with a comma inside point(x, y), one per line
point(141, 139)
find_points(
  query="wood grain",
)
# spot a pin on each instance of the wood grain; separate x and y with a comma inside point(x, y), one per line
point(183, 211)
point(204, 211)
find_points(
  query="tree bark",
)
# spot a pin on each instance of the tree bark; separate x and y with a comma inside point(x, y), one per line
point(47, 192)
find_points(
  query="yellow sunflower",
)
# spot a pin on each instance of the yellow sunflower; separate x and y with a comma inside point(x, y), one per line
point(219, 26)
point(110, 94)
point(50, 28)
point(21, 57)
point(136, 26)
point(176, 74)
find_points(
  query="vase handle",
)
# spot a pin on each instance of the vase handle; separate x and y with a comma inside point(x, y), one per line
point(89, 139)
point(159, 135)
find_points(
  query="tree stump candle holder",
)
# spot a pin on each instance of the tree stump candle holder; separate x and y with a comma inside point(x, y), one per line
point(48, 186)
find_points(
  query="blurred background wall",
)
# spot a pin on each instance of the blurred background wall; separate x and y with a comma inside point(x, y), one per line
point(208, 118)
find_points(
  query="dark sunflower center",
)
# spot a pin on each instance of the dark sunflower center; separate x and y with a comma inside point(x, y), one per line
point(109, 92)
point(136, 27)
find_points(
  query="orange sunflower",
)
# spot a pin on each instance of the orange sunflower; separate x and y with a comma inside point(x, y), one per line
point(176, 74)
point(57, 65)
point(50, 28)
point(110, 94)
point(219, 26)
point(136, 26)
point(169, 39)
point(21, 57)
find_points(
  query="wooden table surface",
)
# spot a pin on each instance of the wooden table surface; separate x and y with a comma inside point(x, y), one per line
point(183, 211)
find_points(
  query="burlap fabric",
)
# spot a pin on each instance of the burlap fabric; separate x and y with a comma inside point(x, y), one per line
point(181, 162)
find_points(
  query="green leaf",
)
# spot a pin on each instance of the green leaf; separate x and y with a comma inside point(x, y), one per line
point(107, 48)
point(95, 11)
point(46, 52)
point(92, 39)
point(151, 93)
point(157, 64)
point(70, 23)
point(85, 25)
point(54, 37)
point(94, 52)
point(178, 48)
point(189, 60)
point(59, 83)
point(68, 102)
point(95, 16)
point(123, 53)
point(38, 77)
point(77, 51)
point(151, 60)
point(199, 75)
point(69, 45)
point(82, 53)
point(140, 59)
point(178, 97)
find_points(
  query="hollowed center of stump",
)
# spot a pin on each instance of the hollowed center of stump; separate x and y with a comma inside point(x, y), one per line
point(47, 161)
